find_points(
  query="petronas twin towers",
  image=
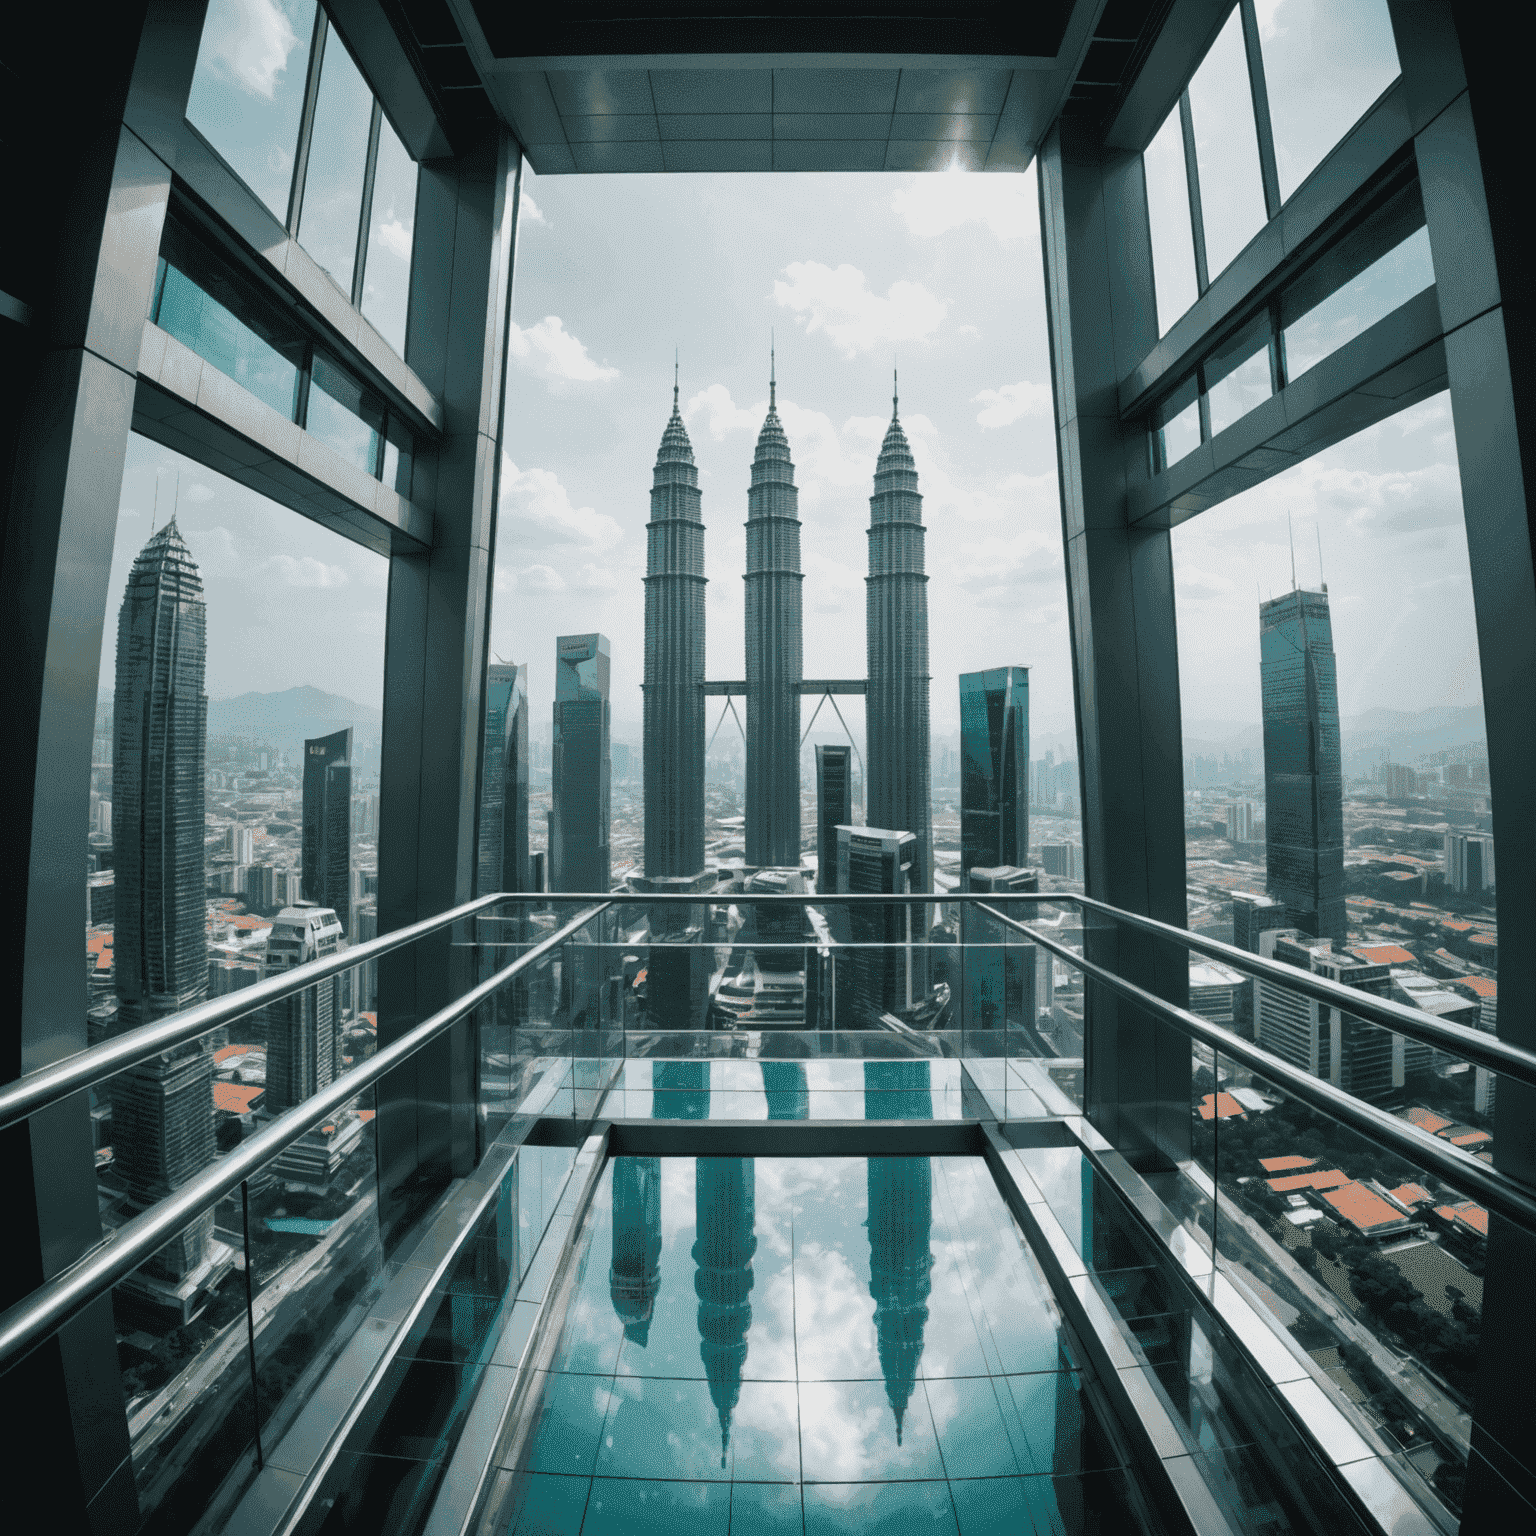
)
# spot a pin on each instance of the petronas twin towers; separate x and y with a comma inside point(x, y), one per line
point(897, 651)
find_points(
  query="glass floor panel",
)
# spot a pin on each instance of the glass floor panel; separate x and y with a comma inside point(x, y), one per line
point(811, 1345)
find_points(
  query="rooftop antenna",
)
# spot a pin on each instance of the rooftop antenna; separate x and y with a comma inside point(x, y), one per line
point(154, 517)
point(773, 375)
point(895, 388)
point(1290, 530)
point(674, 379)
point(1317, 529)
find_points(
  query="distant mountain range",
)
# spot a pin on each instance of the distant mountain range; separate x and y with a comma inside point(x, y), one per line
point(283, 720)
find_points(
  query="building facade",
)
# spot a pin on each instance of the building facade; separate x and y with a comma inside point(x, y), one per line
point(896, 642)
point(303, 1031)
point(774, 654)
point(994, 768)
point(579, 771)
point(503, 861)
point(834, 808)
point(879, 861)
point(1303, 774)
point(327, 836)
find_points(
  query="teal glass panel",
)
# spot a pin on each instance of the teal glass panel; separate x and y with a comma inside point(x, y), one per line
point(391, 236)
point(342, 415)
point(338, 162)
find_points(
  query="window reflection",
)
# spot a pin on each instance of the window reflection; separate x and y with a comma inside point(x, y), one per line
point(1389, 281)
point(248, 89)
point(343, 415)
point(1226, 148)
point(1178, 432)
point(1173, 249)
point(1324, 64)
point(338, 162)
point(391, 232)
point(1237, 375)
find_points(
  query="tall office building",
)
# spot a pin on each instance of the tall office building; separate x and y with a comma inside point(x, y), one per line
point(327, 844)
point(503, 856)
point(999, 969)
point(1303, 775)
point(994, 768)
point(834, 808)
point(725, 1213)
point(877, 861)
point(634, 1275)
point(579, 773)
point(162, 1110)
point(773, 649)
point(896, 640)
point(674, 659)
point(1253, 915)
point(1469, 866)
point(303, 1044)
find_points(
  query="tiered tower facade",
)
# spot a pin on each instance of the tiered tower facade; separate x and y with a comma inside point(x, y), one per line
point(674, 661)
point(774, 653)
point(896, 612)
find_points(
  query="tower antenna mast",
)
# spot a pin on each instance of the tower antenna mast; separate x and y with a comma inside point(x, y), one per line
point(1290, 529)
point(1317, 529)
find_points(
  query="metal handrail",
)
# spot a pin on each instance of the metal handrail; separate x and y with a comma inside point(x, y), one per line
point(1496, 1190)
point(35, 1091)
point(37, 1316)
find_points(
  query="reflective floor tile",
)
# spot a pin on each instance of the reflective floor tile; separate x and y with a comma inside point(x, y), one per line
point(947, 1339)
point(878, 1509)
point(415, 1411)
point(854, 1431)
point(569, 1423)
point(664, 1429)
point(547, 1505)
point(765, 1509)
point(969, 1423)
point(1097, 1502)
point(377, 1493)
point(765, 1433)
point(624, 1507)
point(1051, 1425)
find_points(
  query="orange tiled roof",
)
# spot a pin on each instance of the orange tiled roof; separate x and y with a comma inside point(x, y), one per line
point(1469, 1139)
point(1455, 925)
point(1465, 1214)
point(224, 1052)
point(1487, 940)
point(1385, 954)
point(1220, 1106)
point(1412, 1194)
point(1285, 1164)
point(234, 1098)
point(1362, 1207)
point(1484, 986)
point(1328, 1178)
point(1425, 1119)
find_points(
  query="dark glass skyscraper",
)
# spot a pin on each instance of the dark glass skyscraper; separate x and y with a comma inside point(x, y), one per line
point(1303, 776)
point(834, 808)
point(327, 849)
point(674, 661)
point(303, 1048)
point(773, 649)
point(994, 768)
point(503, 858)
point(162, 1110)
point(896, 638)
point(879, 862)
point(578, 820)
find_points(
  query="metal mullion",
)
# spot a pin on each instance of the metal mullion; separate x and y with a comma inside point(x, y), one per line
point(1276, 348)
point(1261, 120)
point(365, 217)
point(307, 121)
point(1192, 176)
point(1205, 404)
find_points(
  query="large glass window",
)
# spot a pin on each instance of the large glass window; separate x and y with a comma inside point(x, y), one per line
point(344, 415)
point(1226, 148)
point(248, 89)
point(1173, 250)
point(338, 164)
point(391, 234)
point(1324, 64)
point(1237, 374)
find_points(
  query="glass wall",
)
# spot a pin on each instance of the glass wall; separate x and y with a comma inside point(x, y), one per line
point(279, 96)
point(233, 834)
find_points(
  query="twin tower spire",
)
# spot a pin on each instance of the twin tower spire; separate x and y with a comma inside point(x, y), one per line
point(896, 613)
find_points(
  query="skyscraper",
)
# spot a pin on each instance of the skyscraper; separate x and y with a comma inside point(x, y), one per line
point(578, 821)
point(834, 808)
point(773, 649)
point(327, 847)
point(999, 968)
point(877, 861)
point(674, 660)
point(725, 1206)
point(896, 638)
point(994, 768)
point(303, 1049)
point(162, 1110)
point(1303, 775)
point(503, 857)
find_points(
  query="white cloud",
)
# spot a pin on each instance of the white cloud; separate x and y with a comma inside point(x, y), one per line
point(1002, 407)
point(541, 578)
point(596, 578)
point(250, 40)
point(529, 211)
point(970, 330)
point(552, 353)
point(537, 513)
point(722, 415)
point(396, 239)
point(199, 492)
point(305, 571)
point(935, 204)
point(855, 319)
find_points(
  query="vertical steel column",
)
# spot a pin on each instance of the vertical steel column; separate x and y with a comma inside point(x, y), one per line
point(1099, 301)
point(435, 658)
point(108, 160)
point(1471, 141)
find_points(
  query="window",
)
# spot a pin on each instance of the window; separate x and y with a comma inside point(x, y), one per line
point(278, 95)
point(248, 89)
point(1226, 149)
point(344, 415)
point(1178, 431)
point(1238, 375)
point(1324, 64)
point(1173, 251)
